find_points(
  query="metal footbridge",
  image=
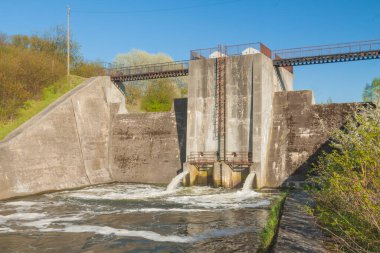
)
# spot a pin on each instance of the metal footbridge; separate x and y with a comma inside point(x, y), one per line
point(150, 71)
point(287, 58)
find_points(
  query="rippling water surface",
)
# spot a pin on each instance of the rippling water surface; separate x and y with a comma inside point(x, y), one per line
point(134, 218)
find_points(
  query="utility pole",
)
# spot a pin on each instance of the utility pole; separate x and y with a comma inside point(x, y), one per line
point(68, 40)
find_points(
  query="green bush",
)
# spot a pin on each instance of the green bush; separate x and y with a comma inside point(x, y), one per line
point(347, 183)
point(89, 69)
point(29, 64)
point(32, 107)
point(24, 72)
point(159, 96)
point(150, 95)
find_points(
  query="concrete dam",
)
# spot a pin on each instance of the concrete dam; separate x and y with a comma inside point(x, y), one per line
point(241, 116)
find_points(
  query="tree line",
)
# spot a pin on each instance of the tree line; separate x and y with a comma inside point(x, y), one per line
point(28, 64)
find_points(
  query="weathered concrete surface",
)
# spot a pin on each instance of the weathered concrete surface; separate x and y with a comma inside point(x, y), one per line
point(146, 147)
point(298, 231)
point(300, 130)
point(201, 100)
point(64, 146)
point(250, 85)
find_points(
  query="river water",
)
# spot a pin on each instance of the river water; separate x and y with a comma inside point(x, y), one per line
point(134, 218)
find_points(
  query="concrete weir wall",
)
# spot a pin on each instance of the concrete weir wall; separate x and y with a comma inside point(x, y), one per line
point(87, 137)
point(64, 146)
point(149, 147)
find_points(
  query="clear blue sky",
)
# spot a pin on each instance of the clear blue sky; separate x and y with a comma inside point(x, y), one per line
point(105, 28)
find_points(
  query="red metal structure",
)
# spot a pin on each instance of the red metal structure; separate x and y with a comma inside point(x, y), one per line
point(220, 102)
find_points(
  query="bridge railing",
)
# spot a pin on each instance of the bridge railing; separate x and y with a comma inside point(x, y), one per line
point(149, 68)
point(230, 50)
point(333, 49)
point(212, 156)
point(239, 157)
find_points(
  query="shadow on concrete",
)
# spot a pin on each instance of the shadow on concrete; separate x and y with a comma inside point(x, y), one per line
point(180, 110)
point(301, 173)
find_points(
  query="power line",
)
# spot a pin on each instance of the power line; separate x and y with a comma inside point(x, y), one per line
point(157, 10)
point(68, 40)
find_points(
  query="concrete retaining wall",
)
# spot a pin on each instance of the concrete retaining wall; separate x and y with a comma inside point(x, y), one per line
point(64, 146)
point(300, 131)
point(147, 147)
point(86, 137)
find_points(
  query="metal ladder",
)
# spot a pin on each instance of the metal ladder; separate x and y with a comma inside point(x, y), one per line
point(220, 101)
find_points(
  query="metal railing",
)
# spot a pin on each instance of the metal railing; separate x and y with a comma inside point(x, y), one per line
point(230, 50)
point(248, 48)
point(239, 157)
point(281, 58)
point(211, 157)
point(148, 68)
point(203, 157)
point(324, 50)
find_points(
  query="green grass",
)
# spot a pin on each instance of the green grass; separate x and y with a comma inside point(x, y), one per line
point(32, 107)
point(269, 231)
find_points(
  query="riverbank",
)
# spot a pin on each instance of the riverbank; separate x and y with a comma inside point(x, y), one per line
point(298, 231)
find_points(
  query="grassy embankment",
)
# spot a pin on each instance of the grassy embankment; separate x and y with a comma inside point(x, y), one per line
point(269, 231)
point(32, 107)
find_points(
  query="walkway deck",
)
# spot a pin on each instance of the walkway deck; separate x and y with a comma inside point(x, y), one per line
point(298, 231)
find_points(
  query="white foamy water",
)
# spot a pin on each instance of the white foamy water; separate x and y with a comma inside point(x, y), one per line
point(21, 203)
point(233, 200)
point(157, 210)
point(153, 213)
point(20, 217)
point(43, 223)
point(132, 192)
point(176, 181)
point(105, 230)
point(249, 182)
point(6, 230)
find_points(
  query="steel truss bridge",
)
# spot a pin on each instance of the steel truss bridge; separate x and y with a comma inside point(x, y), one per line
point(287, 58)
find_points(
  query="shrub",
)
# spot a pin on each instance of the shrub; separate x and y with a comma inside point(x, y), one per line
point(348, 184)
point(24, 72)
point(159, 96)
point(89, 69)
point(150, 95)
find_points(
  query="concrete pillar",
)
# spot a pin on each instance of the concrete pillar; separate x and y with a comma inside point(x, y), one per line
point(236, 179)
point(191, 178)
point(216, 176)
point(230, 179)
point(258, 181)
